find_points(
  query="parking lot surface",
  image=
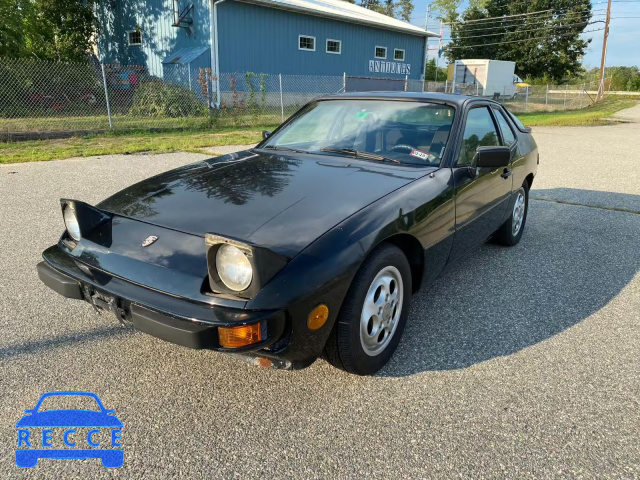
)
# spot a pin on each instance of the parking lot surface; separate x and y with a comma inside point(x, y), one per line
point(517, 363)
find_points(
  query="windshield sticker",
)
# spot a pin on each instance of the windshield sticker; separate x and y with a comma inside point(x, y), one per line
point(361, 115)
point(420, 154)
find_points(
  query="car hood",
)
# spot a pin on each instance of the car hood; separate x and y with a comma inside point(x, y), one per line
point(279, 201)
point(69, 418)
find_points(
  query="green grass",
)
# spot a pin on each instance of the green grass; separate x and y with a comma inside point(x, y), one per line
point(129, 122)
point(130, 142)
point(591, 115)
point(194, 139)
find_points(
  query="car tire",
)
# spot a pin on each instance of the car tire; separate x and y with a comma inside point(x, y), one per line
point(510, 233)
point(381, 290)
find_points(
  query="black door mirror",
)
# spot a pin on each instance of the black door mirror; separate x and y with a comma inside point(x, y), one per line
point(266, 134)
point(493, 157)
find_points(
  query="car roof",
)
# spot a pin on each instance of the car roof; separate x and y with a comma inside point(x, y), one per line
point(453, 99)
point(69, 393)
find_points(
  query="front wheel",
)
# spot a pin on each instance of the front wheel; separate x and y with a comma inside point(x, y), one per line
point(373, 315)
point(510, 232)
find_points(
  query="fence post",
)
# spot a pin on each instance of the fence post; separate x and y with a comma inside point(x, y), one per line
point(406, 83)
point(344, 82)
point(566, 87)
point(582, 93)
point(281, 102)
point(526, 98)
point(106, 96)
point(546, 95)
point(477, 87)
point(446, 86)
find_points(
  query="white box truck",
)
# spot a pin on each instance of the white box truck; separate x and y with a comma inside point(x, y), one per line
point(491, 77)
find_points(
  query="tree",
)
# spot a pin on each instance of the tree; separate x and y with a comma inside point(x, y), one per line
point(48, 29)
point(540, 43)
point(400, 9)
point(430, 71)
point(12, 39)
point(405, 9)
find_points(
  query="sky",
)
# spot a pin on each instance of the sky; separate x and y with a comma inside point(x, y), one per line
point(624, 32)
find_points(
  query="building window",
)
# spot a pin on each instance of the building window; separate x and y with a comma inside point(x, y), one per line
point(135, 37)
point(306, 43)
point(334, 46)
point(381, 52)
point(398, 55)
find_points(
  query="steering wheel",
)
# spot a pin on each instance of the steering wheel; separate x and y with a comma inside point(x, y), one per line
point(402, 147)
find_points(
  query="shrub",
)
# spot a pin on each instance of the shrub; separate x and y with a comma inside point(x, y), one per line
point(159, 99)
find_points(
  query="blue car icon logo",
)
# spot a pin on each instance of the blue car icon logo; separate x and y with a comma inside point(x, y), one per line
point(69, 433)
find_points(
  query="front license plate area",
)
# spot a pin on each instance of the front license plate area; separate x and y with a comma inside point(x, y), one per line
point(103, 302)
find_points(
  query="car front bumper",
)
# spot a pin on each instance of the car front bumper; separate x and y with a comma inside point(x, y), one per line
point(164, 316)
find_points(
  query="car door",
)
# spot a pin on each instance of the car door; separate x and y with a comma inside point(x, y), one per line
point(508, 138)
point(481, 193)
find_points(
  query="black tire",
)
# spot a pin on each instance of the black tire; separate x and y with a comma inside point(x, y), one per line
point(345, 349)
point(505, 234)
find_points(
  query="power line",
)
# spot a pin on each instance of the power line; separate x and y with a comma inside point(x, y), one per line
point(525, 39)
point(526, 22)
point(584, 24)
point(501, 17)
point(505, 18)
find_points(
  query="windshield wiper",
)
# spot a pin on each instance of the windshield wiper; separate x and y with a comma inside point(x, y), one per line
point(285, 149)
point(359, 154)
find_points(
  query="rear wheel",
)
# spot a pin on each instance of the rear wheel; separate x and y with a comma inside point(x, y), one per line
point(510, 232)
point(373, 315)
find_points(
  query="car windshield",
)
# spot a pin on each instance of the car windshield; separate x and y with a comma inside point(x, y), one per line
point(69, 402)
point(411, 132)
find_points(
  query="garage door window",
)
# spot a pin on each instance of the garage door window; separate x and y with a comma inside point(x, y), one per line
point(307, 43)
point(334, 46)
point(135, 37)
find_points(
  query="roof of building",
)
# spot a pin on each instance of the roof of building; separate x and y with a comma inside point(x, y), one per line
point(346, 12)
point(185, 55)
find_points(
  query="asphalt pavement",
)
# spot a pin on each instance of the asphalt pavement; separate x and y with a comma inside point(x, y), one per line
point(517, 363)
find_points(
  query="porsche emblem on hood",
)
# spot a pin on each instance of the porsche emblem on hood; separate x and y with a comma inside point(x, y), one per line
point(149, 240)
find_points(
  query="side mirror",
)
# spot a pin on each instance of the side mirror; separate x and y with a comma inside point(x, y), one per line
point(266, 134)
point(493, 157)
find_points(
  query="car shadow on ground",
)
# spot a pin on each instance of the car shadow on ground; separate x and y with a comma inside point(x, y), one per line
point(571, 262)
point(592, 198)
point(63, 341)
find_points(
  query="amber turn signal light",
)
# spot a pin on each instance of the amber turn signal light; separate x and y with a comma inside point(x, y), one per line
point(241, 336)
point(318, 317)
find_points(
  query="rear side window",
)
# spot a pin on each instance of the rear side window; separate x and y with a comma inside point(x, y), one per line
point(479, 131)
point(507, 134)
point(518, 123)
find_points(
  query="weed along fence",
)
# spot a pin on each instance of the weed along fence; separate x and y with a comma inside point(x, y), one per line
point(42, 97)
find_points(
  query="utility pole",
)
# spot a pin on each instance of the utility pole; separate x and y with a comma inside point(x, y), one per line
point(439, 48)
point(604, 53)
point(426, 44)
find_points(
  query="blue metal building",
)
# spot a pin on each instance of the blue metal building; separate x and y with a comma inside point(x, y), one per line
point(289, 37)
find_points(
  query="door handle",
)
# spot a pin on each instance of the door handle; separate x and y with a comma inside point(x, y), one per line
point(506, 174)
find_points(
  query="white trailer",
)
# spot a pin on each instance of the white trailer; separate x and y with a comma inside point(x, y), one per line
point(491, 77)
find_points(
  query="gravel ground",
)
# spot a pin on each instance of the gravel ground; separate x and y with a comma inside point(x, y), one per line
point(517, 363)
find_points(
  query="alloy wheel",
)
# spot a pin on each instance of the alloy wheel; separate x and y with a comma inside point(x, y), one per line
point(381, 310)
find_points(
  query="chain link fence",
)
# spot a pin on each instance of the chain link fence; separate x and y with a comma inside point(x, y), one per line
point(39, 96)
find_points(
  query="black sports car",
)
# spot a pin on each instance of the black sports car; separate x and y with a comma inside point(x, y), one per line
point(311, 243)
